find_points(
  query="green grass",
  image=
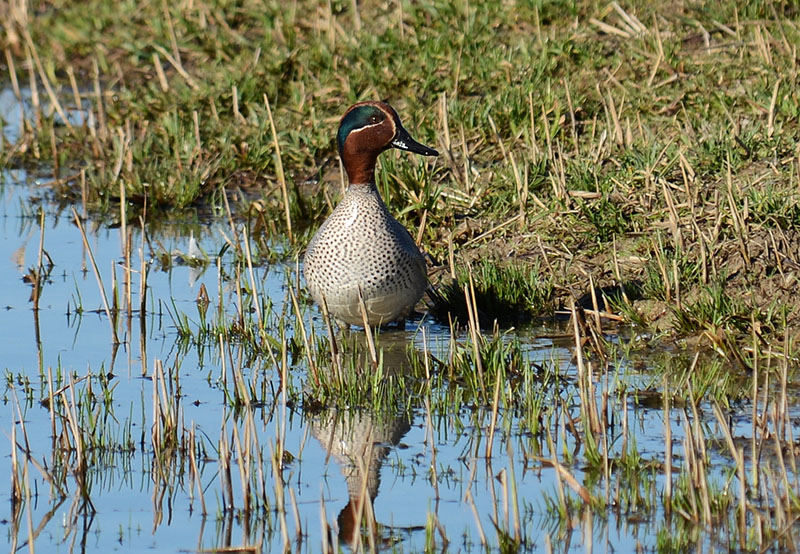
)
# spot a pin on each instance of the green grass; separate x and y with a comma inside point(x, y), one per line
point(529, 106)
point(505, 293)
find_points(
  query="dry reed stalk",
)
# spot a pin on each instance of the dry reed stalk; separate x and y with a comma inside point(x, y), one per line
point(12, 73)
point(502, 477)
point(162, 78)
point(533, 147)
point(572, 120)
point(421, 230)
point(102, 130)
point(37, 282)
point(243, 465)
point(373, 354)
point(296, 513)
point(445, 122)
point(70, 413)
point(257, 454)
point(240, 312)
point(606, 425)
point(514, 493)
point(491, 231)
point(176, 64)
point(165, 417)
point(302, 328)
point(495, 410)
point(364, 502)
point(356, 15)
point(474, 328)
point(280, 506)
point(553, 460)
point(754, 418)
point(676, 278)
point(336, 362)
point(772, 104)
point(738, 457)
point(46, 82)
point(226, 482)
point(16, 485)
point(143, 271)
point(763, 44)
point(491, 482)
point(689, 468)
point(26, 487)
point(114, 290)
point(426, 355)
point(674, 218)
point(35, 103)
point(612, 115)
point(324, 527)
point(597, 321)
point(96, 274)
point(498, 139)
point(280, 174)
point(195, 471)
point(701, 459)
point(251, 274)
point(468, 497)
point(584, 376)
point(429, 432)
point(522, 192)
point(51, 399)
point(466, 169)
point(236, 113)
point(667, 446)
point(242, 394)
point(739, 225)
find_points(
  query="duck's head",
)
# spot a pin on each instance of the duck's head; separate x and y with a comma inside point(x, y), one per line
point(366, 130)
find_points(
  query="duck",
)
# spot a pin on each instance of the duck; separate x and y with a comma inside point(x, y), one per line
point(362, 261)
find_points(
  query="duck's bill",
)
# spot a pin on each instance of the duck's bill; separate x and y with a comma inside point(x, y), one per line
point(403, 141)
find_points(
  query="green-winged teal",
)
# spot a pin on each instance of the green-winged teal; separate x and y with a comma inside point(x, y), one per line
point(361, 247)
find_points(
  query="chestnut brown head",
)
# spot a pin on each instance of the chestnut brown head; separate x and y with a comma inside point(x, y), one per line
point(366, 130)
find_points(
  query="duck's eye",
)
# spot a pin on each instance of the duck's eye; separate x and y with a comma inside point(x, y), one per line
point(375, 119)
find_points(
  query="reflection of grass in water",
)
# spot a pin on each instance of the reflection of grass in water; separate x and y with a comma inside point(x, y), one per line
point(545, 414)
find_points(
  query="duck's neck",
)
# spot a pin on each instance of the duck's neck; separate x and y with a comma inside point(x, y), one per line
point(361, 168)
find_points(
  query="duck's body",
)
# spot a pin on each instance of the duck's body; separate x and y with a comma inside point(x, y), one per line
point(362, 246)
point(361, 252)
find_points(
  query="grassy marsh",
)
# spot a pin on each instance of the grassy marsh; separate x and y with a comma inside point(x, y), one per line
point(633, 165)
point(570, 132)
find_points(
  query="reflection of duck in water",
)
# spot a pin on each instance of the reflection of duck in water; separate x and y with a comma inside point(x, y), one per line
point(360, 441)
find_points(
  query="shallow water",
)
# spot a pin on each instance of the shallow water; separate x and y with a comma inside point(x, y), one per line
point(123, 488)
point(426, 466)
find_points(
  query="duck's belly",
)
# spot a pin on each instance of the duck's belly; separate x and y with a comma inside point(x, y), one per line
point(381, 308)
point(390, 275)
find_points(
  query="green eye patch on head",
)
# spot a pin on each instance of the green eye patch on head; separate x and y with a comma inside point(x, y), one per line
point(356, 119)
